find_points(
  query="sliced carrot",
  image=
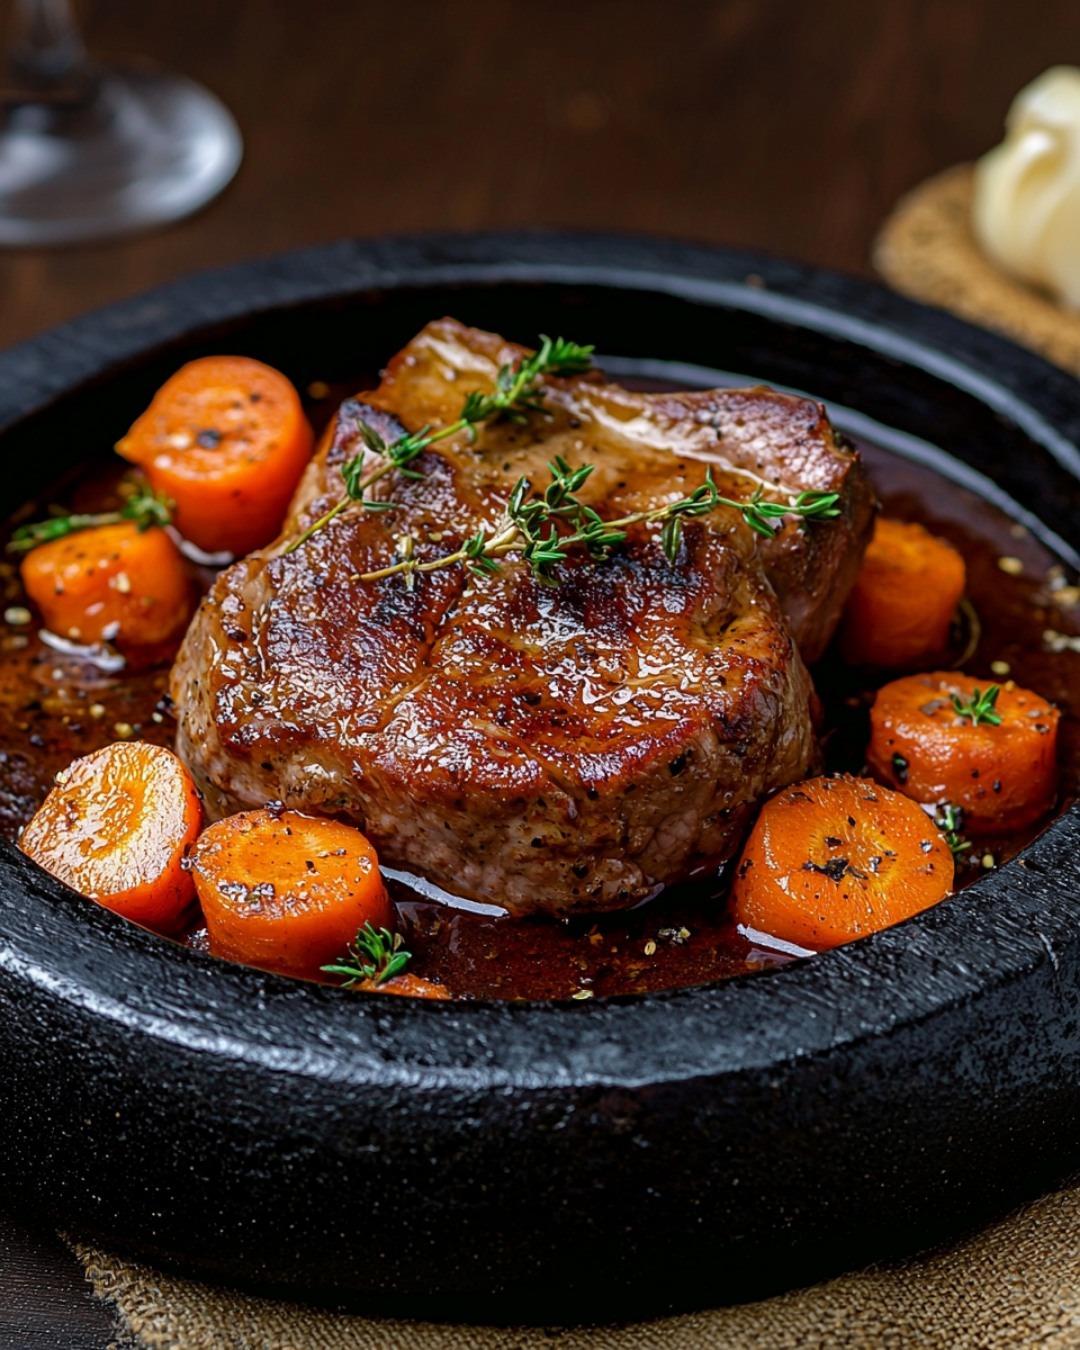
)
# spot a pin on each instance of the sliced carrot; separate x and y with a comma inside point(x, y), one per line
point(115, 583)
point(226, 440)
point(1001, 772)
point(117, 827)
point(408, 984)
point(285, 891)
point(900, 609)
point(833, 859)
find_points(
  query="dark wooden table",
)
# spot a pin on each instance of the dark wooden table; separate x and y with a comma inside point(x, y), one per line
point(780, 125)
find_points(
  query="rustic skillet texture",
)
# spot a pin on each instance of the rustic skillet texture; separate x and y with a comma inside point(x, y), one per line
point(558, 748)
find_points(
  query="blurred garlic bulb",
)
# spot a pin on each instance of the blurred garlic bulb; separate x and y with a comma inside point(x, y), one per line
point(1027, 190)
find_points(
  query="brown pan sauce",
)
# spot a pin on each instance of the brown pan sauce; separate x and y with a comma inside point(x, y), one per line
point(55, 706)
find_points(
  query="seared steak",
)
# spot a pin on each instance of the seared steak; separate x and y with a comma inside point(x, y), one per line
point(560, 749)
point(751, 437)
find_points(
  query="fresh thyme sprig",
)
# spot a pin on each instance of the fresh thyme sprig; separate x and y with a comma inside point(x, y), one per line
point(518, 391)
point(979, 707)
point(760, 513)
point(530, 525)
point(376, 955)
point(950, 821)
point(143, 507)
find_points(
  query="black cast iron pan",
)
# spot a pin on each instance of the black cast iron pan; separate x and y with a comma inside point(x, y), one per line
point(526, 1160)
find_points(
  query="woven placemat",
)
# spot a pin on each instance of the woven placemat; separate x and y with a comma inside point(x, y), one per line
point(1016, 1283)
point(927, 250)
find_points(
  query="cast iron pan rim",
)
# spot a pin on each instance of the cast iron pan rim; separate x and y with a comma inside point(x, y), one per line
point(629, 1040)
point(109, 340)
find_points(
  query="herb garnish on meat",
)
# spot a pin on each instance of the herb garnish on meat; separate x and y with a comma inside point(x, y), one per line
point(518, 391)
point(530, 521)
point(531, 525)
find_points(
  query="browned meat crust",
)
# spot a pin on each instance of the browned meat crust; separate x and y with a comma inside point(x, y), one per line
point(547, 749)
point(752, 437)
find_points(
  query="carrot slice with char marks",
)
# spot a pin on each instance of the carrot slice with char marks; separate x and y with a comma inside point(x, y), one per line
point(285, 891)
point(226, 440)
point(832, 859)
point(114, 582)
point(904, 598)
point(1002, 773)
point(117, 827)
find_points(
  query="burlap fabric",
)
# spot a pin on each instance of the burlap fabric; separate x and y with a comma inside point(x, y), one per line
point(1017, 1283)
point(927, 250)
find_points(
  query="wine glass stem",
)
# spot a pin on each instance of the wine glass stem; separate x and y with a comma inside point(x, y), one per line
point(47, 53)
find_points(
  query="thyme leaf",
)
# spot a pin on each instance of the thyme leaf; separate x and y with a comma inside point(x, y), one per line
point(979, 707)
point(376, 955)
point(950, 821)
point(760, 514)
point(142, 506)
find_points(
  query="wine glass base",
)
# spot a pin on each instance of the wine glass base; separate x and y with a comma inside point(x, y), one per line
point(146, 147)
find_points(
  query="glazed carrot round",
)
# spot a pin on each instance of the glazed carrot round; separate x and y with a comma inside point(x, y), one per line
point(115, 583)
point(833, 859)
point(903, 600)
point(226, 440)
point(116, 827)
point(997, 761)
point(285, 891)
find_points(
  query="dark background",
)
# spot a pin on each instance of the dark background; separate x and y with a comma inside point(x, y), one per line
point(789, 126)
point(786, 125)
